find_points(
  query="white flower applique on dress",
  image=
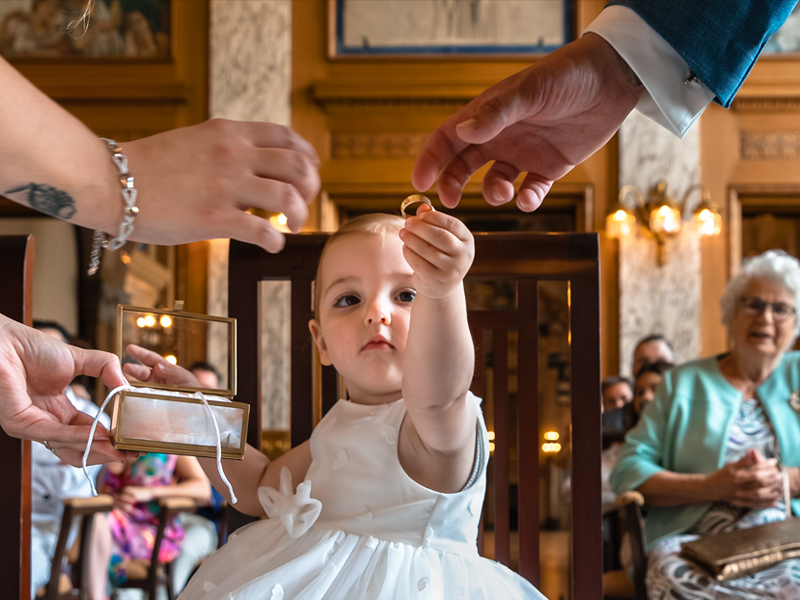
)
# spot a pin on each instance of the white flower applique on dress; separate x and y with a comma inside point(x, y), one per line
point(297, 511)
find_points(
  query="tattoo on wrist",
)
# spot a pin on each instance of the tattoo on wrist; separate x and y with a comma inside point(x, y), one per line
point(47, 199)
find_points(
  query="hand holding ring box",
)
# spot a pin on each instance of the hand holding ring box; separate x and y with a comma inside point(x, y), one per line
point(159, 350)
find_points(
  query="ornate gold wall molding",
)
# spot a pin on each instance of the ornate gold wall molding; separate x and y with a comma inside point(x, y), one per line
point(377, 145)
point(788, 104)
point(770, 145)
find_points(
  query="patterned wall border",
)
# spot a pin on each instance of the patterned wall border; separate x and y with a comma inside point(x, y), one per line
point(770, 145)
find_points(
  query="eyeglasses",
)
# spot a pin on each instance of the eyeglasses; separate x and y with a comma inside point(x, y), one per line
point(755, 306)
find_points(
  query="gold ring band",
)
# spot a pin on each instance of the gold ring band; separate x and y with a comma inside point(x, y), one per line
point(410, 205)
point(53, 450)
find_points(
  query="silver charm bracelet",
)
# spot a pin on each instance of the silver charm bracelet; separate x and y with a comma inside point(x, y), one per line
point(129, 193)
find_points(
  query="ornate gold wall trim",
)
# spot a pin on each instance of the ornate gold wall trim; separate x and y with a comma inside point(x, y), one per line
point(377, 145)
point(770, 145)
point(771, 104)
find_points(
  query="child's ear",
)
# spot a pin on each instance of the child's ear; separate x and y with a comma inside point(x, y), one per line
point(316, 333)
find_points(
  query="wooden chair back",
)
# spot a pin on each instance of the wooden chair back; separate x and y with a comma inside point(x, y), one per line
point(85, 509)
point(523, 258)
point(16, 302)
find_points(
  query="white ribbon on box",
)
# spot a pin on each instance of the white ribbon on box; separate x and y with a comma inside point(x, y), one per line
point(144, 419)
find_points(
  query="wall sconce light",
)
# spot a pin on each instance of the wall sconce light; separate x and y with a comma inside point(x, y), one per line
point(660, 216)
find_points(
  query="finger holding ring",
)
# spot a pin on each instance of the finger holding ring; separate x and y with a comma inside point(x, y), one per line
point(53, 450)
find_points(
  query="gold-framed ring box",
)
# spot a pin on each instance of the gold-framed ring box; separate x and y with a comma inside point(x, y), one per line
point(170, 417)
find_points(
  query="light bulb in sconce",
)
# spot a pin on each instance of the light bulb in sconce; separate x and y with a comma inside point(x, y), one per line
point(665, 219)
point(149, 321)
point(620, 223)
point(166, 321)
point(707, 220)
point(170, 358)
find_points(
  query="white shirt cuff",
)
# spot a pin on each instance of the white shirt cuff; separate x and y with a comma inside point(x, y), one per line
point(671, 100)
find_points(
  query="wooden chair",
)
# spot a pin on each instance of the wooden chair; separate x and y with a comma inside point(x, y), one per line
point(150, 575)
point(616, 583)
point(524, 259)
point(85, 509)
point(16, 274)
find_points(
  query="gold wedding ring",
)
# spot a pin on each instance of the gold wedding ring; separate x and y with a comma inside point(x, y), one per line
point(411, 205)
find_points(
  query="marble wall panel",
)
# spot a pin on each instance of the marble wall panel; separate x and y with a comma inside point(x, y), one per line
point(663, 299)
point(250, 80)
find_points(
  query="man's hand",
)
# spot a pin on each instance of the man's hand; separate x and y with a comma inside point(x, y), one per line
point(541, 121)
point(35, 370)
point(440, 249)
point(195, 183)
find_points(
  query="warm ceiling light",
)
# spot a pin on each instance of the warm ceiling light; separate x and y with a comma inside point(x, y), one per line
point(170, 358)
point(141, 322)
point(149, 320)
point(165, 321)
point(551, 436)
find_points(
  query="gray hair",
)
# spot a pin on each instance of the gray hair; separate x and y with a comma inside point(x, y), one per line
point(772, 264)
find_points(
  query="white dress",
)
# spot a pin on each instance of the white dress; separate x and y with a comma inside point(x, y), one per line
point(360, 527)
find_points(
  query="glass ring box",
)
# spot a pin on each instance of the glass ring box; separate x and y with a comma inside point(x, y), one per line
point(165, 413)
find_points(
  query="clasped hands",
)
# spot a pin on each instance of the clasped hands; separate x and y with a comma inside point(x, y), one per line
point(751, 482)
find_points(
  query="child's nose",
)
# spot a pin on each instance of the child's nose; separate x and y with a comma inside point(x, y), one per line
point(378, 313)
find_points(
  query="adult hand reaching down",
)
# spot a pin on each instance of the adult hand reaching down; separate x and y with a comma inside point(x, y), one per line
point(35, 370)
point(541, 121)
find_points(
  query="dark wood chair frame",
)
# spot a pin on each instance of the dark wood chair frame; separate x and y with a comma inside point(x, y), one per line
point(86, 509)
point(16, 302)
point(526, 258)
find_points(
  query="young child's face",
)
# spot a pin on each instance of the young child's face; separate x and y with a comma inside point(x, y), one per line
point(646, 386)
point(364, 308)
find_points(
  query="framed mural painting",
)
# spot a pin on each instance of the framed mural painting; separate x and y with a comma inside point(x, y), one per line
point(407, 28)
point(47, 30)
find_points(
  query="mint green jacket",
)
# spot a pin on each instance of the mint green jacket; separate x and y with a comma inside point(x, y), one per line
point(686, 428)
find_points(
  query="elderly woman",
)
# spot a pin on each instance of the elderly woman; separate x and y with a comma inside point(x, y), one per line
point(711, 453)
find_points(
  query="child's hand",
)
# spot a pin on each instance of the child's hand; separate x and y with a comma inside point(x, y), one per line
point(156, 369)
point(440, 249)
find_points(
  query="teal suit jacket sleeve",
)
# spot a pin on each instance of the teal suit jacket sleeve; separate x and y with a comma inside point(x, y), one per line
point(720, 40)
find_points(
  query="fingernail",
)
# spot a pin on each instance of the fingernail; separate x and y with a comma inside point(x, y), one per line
point(498, 196)
point(161, 367)
point(469, 124)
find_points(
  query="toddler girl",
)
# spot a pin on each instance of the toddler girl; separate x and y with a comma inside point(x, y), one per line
point(385, 498)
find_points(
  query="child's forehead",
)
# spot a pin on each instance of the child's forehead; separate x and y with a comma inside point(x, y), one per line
point(363, 244)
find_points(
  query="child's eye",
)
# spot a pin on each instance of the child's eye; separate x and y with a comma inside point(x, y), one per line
point(347, 300)
point(406, 296)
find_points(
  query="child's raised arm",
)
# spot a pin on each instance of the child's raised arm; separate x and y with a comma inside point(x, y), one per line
point(439, 355)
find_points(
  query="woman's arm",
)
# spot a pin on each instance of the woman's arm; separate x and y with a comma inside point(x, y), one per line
point(193, 183)
point(752, 482)
point(439, 355)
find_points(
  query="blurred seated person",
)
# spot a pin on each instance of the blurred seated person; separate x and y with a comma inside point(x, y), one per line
point(206, 374)
point(51, 482)
point(648, 379)
point(712, 452)
point(618, 415)
point(136, 487)
point(617, 392)
point(652, 349)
